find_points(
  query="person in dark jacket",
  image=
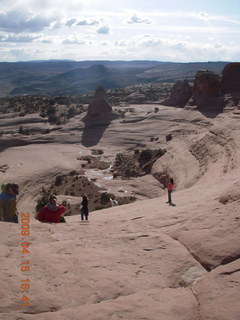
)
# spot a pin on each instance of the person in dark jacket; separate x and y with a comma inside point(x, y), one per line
point(84, 208)
point(8, 203)
point(52, 212)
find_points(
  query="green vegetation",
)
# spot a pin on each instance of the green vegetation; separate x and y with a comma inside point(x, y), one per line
point(137, 163)
point(42, 201)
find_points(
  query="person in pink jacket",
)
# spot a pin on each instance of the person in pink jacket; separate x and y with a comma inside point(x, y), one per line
point(52, 212)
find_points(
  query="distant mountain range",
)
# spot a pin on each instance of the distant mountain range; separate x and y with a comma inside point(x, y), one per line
point(67, 77)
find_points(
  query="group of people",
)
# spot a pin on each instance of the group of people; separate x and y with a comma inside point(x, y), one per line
point(52, 212)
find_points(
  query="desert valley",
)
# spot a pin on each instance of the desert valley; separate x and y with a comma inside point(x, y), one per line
point(142, 259)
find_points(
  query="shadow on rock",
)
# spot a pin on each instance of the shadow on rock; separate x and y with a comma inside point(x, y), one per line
point(226, 102)
point(94, 128)
point(172, 204)
point(9, 143)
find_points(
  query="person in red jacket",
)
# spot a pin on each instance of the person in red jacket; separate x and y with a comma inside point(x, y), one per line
point(52, 212)
point(170, 189)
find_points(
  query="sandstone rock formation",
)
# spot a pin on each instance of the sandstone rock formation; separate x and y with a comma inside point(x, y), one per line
point(180, 94)
point(231, 78)
point(210, 90)
point(99, 105)
point(231, 84)
point(206, 86)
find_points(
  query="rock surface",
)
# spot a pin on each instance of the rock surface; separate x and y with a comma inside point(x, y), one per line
point(145, 260)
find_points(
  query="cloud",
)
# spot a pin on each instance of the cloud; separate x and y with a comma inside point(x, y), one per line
point(121, 43)
point(46, 41)
point(21, 21)
point(14, 38)
point(166, 49)
point(104, 30)
point(58, 28)
point(74, 38)
point(203, 16)
point(135, 19)
point(87, 23)
point(18, 54)
point(74, 41)
point(71, 22)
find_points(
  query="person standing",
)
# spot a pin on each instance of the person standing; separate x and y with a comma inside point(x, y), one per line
point(8, 203)
point(84, 208)
point(52, 212)
point(170, 189)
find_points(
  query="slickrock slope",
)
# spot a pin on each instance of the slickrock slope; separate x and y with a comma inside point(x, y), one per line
point(145, 260)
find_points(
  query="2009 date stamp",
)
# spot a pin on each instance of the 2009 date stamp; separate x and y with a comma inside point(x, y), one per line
point(25, 263)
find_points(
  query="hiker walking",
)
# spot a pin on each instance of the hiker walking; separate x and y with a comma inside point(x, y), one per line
point(8, 203)
point(52, 212)
point(170, 189)
point(84, 208)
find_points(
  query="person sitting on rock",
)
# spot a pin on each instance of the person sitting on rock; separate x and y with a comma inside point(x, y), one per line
point(8, 203)
point(52, 212)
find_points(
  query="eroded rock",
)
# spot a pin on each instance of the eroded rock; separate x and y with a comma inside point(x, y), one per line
point(206, 86)
point(180, 94)
point(99, 105)
point(231, 78)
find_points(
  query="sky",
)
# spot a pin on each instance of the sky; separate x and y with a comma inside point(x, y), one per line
point(169, 30)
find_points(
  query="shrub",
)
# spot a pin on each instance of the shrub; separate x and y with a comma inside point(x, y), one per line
point(71, 112)
point(105, 198)
point(58, 181)
point(42, 201)
point(51, 110)
point(145, 156)
point(20, 130)
point(73, 173)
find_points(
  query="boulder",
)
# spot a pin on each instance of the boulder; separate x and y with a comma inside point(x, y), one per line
point(180, 94)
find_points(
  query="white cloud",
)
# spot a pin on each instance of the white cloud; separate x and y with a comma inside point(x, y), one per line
point(121, 43)
point(166, 49)
point(137, 19)
point(203, 16)
point(71, 22)
point(47, 41)
point(21, 21)
point(104, 30)
point(74, 41)
point(17, 38)
point(87, 23)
